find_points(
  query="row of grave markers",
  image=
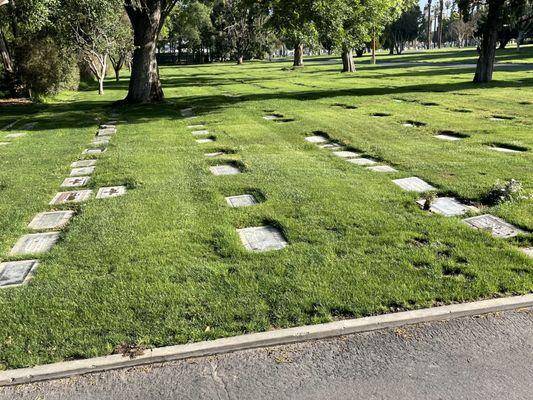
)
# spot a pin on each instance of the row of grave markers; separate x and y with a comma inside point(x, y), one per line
point(256, 238)
point(16, 273)
point(447, 206)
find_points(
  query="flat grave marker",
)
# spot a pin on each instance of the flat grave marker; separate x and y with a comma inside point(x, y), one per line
point(362, 161)
point(106, 132)
point(496, 226)
point(187, 112)
point(51, 220)
point(111, 191)
point(199, 126)
point(272, 117)
point(316, 139)
point(225, 169)
point(93, 151)
point(383, 168)
point(245, 200)
point(451, 138)
point(78, 196)
point(201, 133)
point(76, 181)
point(447, 206)
point(34, 243)
point(528, 251)
point(501, 149)
point(5, 143)
point(346, 154)
point(83, 163)
point(29, 126)
point(330, 146)
point(206, 140)
point(97, 142)
point(414, 184)
point(215, 154)
point(15, 135)
point(262, 238)
point(82, 171)
point(17, 273)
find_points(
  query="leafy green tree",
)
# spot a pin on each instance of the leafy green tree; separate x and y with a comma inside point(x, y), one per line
point(403, 30)
point(188, 25)
point(294, 22)
point(95, 28)
point(490, 23)
point(242, 24)
point(147, 19)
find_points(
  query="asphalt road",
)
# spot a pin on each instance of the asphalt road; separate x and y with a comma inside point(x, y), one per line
point(488, 357)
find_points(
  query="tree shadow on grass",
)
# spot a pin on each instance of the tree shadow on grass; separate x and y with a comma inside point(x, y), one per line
point(83, 114)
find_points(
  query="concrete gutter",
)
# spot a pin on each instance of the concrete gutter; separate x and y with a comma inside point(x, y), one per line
point(264, 339)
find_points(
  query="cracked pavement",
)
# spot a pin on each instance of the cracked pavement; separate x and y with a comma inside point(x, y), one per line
point(486, 357)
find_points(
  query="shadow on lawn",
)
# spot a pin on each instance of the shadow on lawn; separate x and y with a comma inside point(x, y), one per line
point(67, 115)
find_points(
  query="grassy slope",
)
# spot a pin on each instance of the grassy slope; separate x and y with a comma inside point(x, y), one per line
point(163, 263)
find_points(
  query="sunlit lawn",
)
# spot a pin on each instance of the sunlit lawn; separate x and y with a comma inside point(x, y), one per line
point(164, 264)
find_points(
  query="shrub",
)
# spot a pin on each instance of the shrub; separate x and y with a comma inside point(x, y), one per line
point(503, 191)
point(46, 67)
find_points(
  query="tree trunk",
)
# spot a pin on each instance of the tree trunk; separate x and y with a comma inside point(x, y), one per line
point(117, 74)
point(429, 25)
point(487, 51)
point(441, 10)
point(299, 55)
point(101, 86)
point(145, 86)
point(6, 57)
point(347, 61)
point(373, 60)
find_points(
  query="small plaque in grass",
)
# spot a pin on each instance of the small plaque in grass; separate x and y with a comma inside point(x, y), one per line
point(330, 146)
point(245, 200)
point(82, 171)
point(346, 154)
point(5, 143)
point(76, 181)
point(93, 151)
point(187, 112)
point(496, 226)
point(199, 126)
point(78, 196)
point(362, 161)
point(447, 206)
point(15, 135)
point(262, 238)
point(316, 139)
point(382, 168)
point(16, 273)
point(205, 140)
point(414, 184)
point(112, 191)
point(51, 220)
point(200, 133)
point(528, 251)
point(215, 154)
point(225, 169)
point(83, 163)
point(34, 243)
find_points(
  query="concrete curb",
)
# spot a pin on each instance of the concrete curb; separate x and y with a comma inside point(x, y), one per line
point(264, 339)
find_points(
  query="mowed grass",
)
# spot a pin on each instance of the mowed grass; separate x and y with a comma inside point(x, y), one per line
point(164, 264)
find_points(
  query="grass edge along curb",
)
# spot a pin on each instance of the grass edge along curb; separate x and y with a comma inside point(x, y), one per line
point(263, 339)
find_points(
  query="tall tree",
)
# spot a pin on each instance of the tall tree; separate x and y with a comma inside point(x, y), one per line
point(94, 26)
point(491, 22)
point(147, 18)
point(294, 22)
point(439, 31)
point(402, 30)
point(428, 32)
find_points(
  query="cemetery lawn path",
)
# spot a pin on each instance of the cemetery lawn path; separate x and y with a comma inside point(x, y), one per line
point(164, 264)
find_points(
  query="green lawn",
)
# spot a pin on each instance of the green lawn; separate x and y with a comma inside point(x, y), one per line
point(164, 265)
